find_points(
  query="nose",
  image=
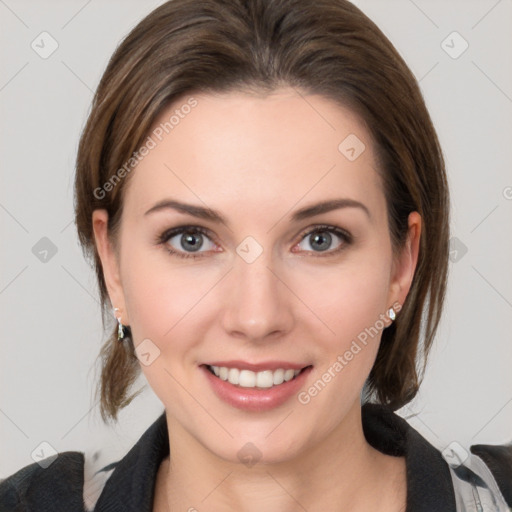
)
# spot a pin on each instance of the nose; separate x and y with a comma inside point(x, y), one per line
point(258, 305)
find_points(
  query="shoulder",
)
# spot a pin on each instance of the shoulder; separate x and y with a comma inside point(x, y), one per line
point(449, 478)
point(97, 479)
point(69, 481)
point(49, 483)
point(481, 477)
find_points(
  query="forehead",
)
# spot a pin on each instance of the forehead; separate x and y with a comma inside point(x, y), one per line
point(239, 149)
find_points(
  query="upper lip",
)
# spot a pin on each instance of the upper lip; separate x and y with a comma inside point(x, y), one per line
point(258, 367)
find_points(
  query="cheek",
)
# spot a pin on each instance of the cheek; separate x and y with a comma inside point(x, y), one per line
point(364, 303)
point(165, 303)
point(158, 307)
point(350, 298)
point(354, 317)
point(153, 301)
point(351, 305)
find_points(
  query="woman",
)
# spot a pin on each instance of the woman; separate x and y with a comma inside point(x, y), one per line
point(264, 197)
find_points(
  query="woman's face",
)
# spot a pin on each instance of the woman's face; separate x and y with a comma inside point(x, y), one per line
point(280, 284)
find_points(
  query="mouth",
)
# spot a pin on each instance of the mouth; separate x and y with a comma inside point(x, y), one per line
point(263, 379)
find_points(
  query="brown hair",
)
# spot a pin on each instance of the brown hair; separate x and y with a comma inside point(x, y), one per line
point(326, 47)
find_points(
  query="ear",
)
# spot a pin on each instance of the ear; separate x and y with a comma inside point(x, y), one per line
point(405, 263)
point(110, 263)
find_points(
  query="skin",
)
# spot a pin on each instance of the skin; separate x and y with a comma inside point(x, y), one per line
point(257, 159)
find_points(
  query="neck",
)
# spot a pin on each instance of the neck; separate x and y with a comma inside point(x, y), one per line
point(343, 472)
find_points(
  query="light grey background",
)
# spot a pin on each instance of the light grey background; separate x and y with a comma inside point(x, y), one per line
point(50, 316)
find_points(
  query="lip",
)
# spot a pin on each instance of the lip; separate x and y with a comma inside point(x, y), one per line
point(258, 367)
point(256, 399)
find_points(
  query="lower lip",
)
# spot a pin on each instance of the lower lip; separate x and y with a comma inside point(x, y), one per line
point(255, 399)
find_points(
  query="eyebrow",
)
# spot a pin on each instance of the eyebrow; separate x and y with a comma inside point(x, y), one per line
point(214, 216)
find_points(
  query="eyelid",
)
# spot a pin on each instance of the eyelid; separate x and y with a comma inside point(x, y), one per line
point(346, 237)
point(326, 227)
point(178, 230)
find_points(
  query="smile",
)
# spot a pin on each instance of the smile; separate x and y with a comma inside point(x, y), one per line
point(249, 379)
point(255, 387)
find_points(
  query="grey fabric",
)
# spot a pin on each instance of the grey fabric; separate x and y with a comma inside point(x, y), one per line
point(475, 488)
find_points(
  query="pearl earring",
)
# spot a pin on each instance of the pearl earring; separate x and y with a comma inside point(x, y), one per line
point(391, 314)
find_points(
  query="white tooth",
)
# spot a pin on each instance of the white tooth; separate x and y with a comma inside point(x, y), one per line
point(278, 376)
point(288, 375)
point(250, 379)
point(234, 375)
point(264, 379)
point(247, 379)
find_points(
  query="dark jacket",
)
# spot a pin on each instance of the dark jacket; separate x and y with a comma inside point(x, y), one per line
point(483, 482)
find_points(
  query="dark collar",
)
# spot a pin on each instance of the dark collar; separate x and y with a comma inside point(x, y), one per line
point(429, 485)
point(130, 487)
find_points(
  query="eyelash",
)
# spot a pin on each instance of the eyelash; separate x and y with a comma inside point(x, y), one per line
point(346, 238)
